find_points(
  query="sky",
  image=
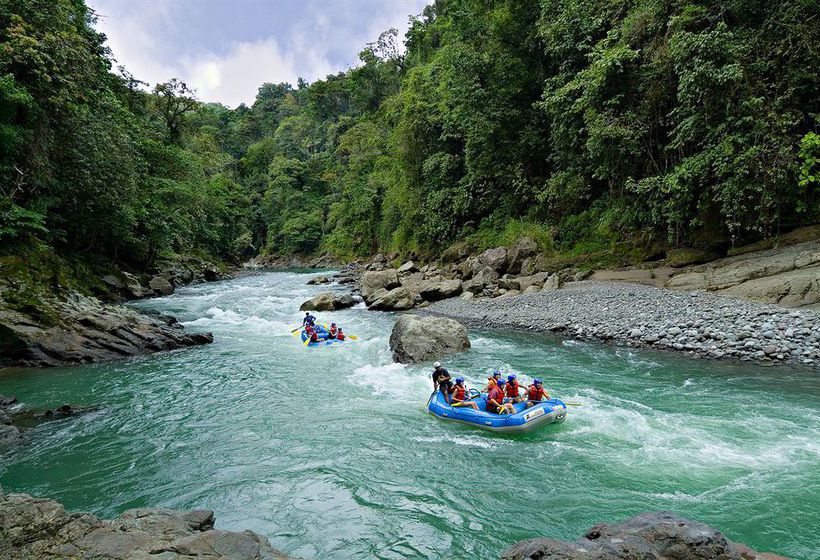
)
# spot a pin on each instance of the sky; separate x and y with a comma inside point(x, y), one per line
point(226, 49)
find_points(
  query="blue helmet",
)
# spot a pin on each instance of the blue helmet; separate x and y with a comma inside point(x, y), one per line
point(537, 381)
point(511, 377)
point(496, 373)
point(501, 381)
point(459, 380)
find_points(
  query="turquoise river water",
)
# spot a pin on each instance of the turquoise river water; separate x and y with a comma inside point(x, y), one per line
point(330, 454)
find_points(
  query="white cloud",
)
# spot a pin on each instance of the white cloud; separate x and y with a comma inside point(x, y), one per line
point(140, 35)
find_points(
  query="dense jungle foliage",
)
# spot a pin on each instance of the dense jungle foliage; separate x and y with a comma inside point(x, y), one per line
point(587, 124)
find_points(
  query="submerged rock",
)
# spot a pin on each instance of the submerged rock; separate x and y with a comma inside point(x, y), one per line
point(40, 528)
point(416, 339)
point(648, 536)
point(318, 280)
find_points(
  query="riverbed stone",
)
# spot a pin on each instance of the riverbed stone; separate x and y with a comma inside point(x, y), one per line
point(495, 258)
point(648, 536)
point(397, 299)
point(161, 286)
point(408, 268)
point(34, 528)
point(316, 280)
point(328, 301)
point(434, 290)
point(523, 249)
point(417, 339)
point(373, 281)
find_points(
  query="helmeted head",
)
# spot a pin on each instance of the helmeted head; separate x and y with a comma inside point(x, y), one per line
point(307, 313)
point(537, 381)
point(332, 324)
point(459, 380)
point(501, 382)
point(511, 377)
point(436, 365)
point(496, 374)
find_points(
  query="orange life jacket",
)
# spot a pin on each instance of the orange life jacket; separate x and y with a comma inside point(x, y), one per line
point(536, 394)
point(512, 388)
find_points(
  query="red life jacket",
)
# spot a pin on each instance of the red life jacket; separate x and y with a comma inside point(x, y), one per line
point(536, 394)
point(459, 393)
point(333, 331)
point(496, 395)
point(341, 335)
point(512, 388)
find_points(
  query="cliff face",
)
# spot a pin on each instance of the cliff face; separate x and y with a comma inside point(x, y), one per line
point(35, 528)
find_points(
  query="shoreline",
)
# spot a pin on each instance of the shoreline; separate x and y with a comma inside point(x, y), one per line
point(695, 324)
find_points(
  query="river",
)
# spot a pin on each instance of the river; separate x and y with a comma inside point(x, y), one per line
point(330, 454)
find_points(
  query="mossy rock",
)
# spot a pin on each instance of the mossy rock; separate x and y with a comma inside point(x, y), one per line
point(799, 235)
point(678, 258)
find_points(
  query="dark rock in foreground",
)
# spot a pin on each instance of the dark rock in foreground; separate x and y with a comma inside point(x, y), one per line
point(80, 329)
point(648, 536)
point(35, 528)
point(416, 339)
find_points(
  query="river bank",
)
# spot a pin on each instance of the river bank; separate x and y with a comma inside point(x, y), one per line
point(694, 323)
point(38, 528)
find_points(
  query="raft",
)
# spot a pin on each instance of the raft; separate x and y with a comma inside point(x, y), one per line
point(324, 337)
point(524, 420)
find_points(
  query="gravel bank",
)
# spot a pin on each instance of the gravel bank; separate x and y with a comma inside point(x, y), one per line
point(696, 323)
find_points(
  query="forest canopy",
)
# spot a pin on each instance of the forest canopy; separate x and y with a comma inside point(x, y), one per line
point(582, 123)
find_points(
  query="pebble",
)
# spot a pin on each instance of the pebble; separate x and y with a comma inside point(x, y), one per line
point(710, 325)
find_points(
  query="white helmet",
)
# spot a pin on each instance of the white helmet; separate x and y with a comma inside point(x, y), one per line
point(436, 364)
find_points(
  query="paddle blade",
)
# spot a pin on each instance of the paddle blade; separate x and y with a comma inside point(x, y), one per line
point(352, 337)
point(307, 341)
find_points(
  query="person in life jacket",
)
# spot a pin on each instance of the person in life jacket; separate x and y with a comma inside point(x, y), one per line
point(459, 395)
point(495, 399)
point(494, 378)
point(309, 319)
point(312, 334)
point(513, 389)
point(536, 393)
point(340, 335)
point(333, 330)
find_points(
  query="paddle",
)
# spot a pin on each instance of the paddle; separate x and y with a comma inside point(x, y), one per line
point(296, 330)
point(574, 404)
point(352, 337)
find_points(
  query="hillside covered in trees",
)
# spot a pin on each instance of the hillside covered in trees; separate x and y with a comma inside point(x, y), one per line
point(594, 126)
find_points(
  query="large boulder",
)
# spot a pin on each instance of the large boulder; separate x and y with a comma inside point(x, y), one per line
point(328, 301)
point(408, 268)
point(373, 281)
point(495, 258)
point(81, 329)
point(161, 286)
point(525, 248)
point(417, 339)
point(648, 536)
point(553, 282)
point(434, 290)
point(397, 299)
point(40, 528)
point(318, 280)
point(536, 279)
point(320, 302)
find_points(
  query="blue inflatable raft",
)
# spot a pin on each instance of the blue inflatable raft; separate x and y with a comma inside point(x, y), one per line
point(524, 420)
point(324, 337)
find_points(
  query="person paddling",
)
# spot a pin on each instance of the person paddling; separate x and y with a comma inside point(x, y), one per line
point(309, 319)
point(445, 385)
point(536, 393)
point(513, 390)
point(438, 370)
point(460, 395)
point(340, 335)
point(312, 334)
point(333, 330)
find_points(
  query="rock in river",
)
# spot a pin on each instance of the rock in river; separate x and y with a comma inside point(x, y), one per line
point(40, 528)
point(649, 536)
point(416, 339)
point(397, 299)
point(328, 301)
point(81, 329)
